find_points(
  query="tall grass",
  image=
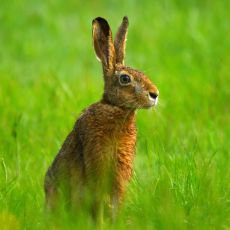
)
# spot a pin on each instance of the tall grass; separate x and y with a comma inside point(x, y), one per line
point(48, 74)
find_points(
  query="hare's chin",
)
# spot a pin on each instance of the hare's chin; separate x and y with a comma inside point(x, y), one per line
point(153, 102)
point(150, 104)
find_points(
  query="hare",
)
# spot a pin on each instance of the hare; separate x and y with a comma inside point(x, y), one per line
point(95, 162)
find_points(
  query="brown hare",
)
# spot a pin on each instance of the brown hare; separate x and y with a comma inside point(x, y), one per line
point(95, 162)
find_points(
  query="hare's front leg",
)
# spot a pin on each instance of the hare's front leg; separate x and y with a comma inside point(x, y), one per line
point(123, 175)
point(99, 172)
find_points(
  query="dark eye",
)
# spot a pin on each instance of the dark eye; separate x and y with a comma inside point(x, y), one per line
point(124, 79)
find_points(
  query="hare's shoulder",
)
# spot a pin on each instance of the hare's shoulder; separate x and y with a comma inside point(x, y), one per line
point(106, 110)
point(102, 112)
point(105, 117)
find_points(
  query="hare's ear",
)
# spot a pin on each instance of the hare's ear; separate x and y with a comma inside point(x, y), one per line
point(120, 41)
point(103, 44)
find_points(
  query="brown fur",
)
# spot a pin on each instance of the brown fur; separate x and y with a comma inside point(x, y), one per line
point(96, 160)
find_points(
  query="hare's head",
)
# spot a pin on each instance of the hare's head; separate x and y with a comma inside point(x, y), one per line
point(124, 86)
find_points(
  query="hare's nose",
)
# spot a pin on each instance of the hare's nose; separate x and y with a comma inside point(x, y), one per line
point(153, 95)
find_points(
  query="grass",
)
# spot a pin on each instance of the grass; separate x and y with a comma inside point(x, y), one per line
point(48, 74)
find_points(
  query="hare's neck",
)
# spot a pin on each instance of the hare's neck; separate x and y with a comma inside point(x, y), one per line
point(124, 109)
point(119, 114)
point(126, 118)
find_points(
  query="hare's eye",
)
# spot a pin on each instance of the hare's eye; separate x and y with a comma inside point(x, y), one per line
point(124, 79)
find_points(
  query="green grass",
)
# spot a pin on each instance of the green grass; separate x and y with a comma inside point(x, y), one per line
point(48, 74)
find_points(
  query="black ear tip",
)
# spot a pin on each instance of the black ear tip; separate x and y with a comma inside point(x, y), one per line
point(104, 25)
point(100, 20)
point(126, 19)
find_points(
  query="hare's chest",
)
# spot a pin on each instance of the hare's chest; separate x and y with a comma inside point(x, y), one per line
point(121, 152)
point(121, 142)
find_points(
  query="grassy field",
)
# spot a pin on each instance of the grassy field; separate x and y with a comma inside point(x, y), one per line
point(48, 74)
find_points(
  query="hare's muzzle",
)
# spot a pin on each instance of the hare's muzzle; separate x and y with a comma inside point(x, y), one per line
point(153, 97)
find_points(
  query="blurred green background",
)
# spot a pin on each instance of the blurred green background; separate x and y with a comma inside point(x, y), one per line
point(49, 73)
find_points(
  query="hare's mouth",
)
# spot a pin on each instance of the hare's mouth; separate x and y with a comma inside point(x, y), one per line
point(153, 101)
point(150, 103)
